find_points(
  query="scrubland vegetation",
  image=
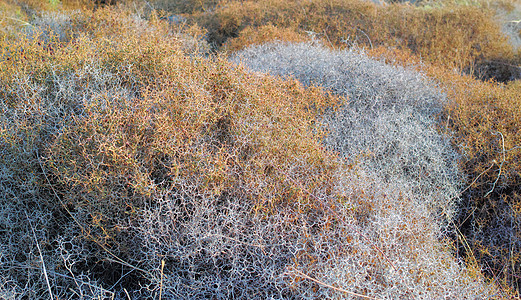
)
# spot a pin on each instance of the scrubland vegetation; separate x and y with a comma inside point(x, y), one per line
point(260, 149)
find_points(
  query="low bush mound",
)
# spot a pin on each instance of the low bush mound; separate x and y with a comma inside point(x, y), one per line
point(389, 119)
point(388, 130)
point(484, 118)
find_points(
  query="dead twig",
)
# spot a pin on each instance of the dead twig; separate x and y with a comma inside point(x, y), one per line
point(162, 271)
point(500, 166)
point(41, 256)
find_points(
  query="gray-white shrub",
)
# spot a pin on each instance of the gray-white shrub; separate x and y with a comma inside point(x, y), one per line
point(26, 204)
point(400, 179)
point(381, 245)
point(388, 122)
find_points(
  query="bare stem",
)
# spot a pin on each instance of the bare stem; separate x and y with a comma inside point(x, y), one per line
point(331, 287)
point(41, 257)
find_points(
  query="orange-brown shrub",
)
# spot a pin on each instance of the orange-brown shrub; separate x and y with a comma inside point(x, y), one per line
point(454, 36)
point(184, 6)
point(100, 125)
point(261, 35)
point(193, 123)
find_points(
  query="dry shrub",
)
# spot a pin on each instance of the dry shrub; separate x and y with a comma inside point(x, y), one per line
point(46, 85)
point(405, 171)
point(199, 135)
point(122, 148)
point(390, 117)
point(263, 34)
point(485, 118)
point(455, 36)
point(189, 128)
point(184, 6)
